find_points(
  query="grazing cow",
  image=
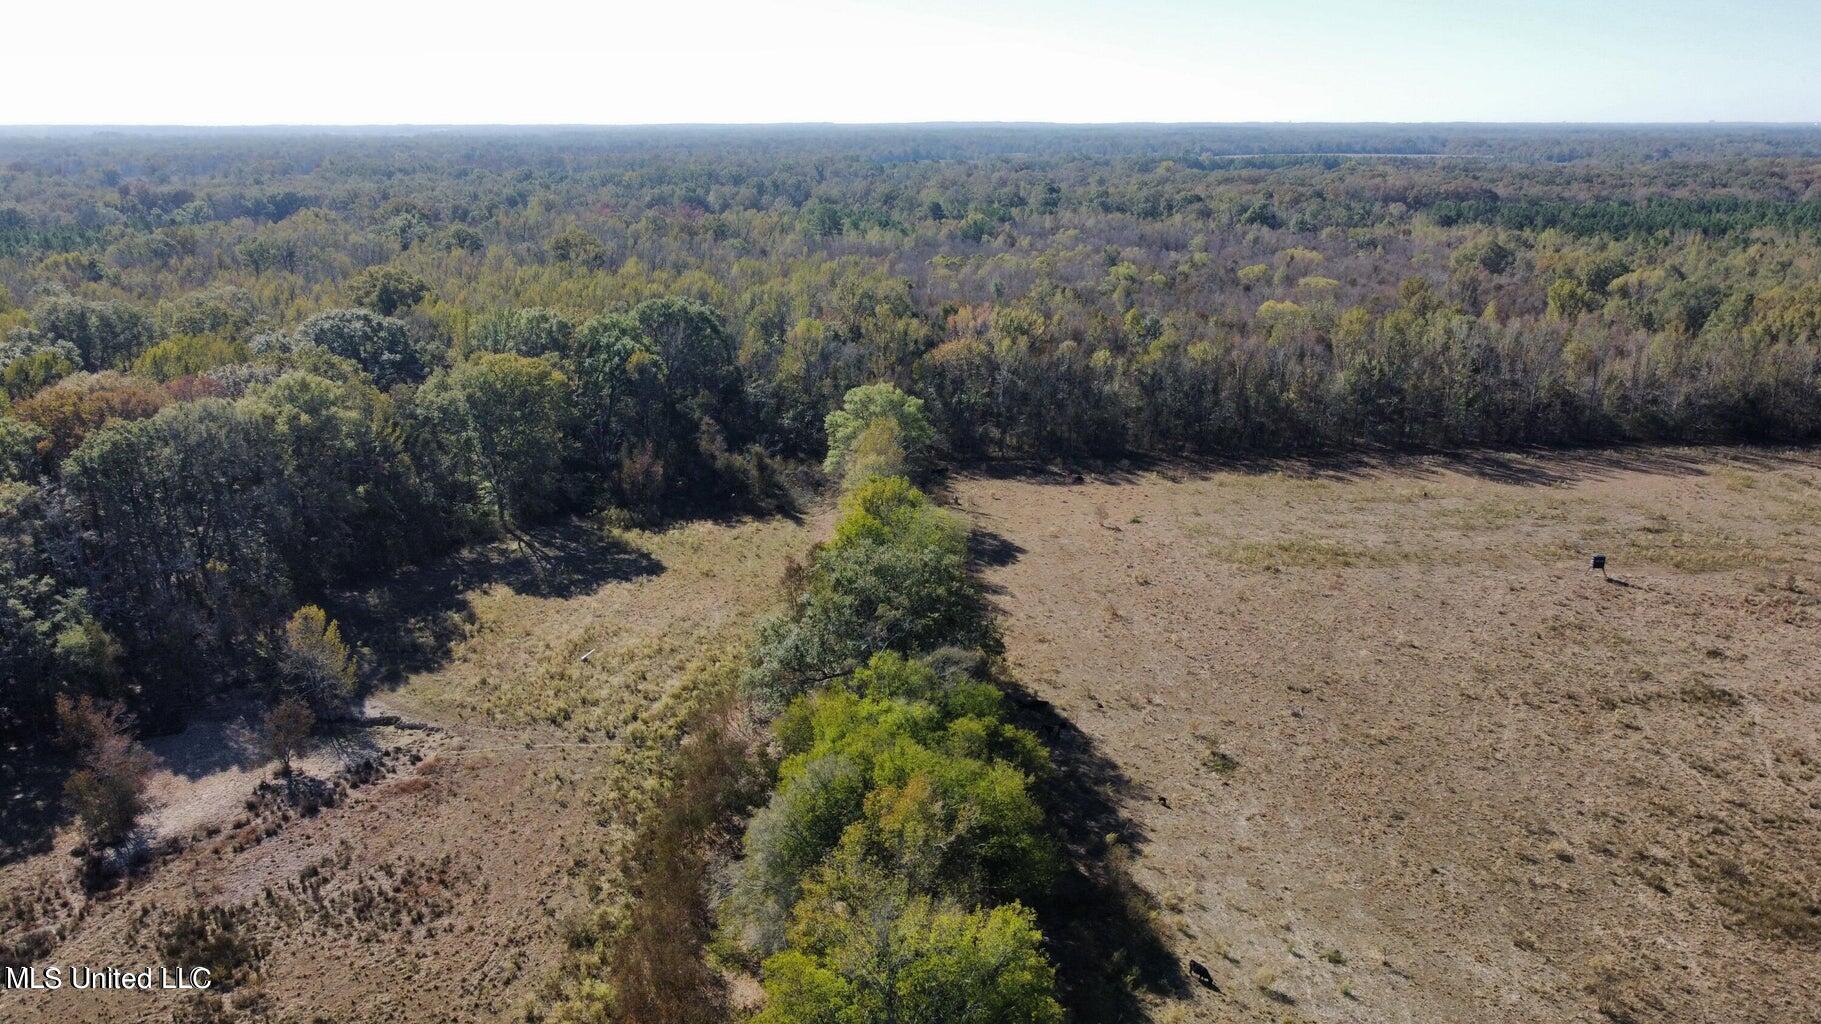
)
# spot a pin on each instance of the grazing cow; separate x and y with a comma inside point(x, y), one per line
point(1201, 973)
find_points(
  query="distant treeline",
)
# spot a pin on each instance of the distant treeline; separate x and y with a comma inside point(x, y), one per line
point(240, 370)
point(1722, 215)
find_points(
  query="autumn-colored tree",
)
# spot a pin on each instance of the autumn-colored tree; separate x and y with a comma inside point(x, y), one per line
point(318, 667)
point(76, 406)
point(107, 791)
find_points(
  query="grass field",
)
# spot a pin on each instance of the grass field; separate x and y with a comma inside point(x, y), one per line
point(1388, 751)
point(442, 885)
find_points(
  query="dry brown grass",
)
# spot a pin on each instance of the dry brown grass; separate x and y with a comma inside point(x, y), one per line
point(1387, 710)
point(437, 892)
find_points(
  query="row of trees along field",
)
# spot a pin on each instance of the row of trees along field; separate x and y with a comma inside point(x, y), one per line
point(897, 848)
point(241, 369)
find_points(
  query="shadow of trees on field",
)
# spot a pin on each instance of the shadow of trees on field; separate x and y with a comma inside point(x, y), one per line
point(1100, 923)
point(31, 799)
point(411, 622)
point(984, 547)
point(1525, 467)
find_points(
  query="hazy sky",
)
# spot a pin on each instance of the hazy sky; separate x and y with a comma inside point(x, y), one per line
point(544, 61)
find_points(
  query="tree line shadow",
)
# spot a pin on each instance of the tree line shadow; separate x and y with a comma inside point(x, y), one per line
point(1100, 923)
point(411, 622)
point(1531, 466)
point(31, 798)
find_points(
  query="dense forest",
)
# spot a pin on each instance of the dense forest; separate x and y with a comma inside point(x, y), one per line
point(239, 369)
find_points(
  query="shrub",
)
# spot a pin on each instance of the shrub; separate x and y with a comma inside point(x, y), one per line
point(107, 806)
point(219, 939)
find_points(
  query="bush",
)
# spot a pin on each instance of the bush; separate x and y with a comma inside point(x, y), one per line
point(219, 939)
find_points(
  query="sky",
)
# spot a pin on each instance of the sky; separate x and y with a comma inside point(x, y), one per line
point(224, 62)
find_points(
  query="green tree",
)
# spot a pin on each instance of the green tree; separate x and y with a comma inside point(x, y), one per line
point(50, 643)
point(18, 449)
point(893, 578)
point(865, 951)
point(355, 499)
point(187, 354)
point(107, 334)
point(525, 332)
point(860, 408)
point(223, 311)
point(380, 344)
point(28, 374)
point(578, 247)
point(387, 290)
point(177, 520)
point(502, 421)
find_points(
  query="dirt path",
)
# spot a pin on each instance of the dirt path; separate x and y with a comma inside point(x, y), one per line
point(1395, 754)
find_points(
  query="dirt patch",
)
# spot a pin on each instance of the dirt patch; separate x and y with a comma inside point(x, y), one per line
point(1390, 751)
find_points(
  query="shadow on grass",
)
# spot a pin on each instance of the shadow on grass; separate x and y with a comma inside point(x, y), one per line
point(1531, 466)
point(31, 799)
point(410, 622)
point(1100, 923)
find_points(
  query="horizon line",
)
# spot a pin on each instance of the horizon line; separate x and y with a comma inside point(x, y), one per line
point(934, 123)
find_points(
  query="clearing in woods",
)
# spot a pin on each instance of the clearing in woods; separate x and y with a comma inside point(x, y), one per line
point(1389, 751)
point(436, 887)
